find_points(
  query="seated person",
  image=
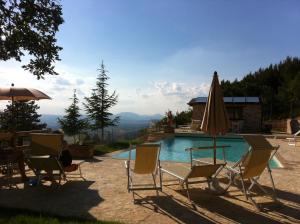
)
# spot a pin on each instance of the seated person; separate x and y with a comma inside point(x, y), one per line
point(65, 158)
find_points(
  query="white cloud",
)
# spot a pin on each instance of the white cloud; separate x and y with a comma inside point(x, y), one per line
point(59, 88)
point(181, 90)
point(79, 81)
point(158, 97)
point(146, 95)
point(62, 82)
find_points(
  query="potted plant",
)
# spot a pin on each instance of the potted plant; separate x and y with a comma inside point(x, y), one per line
point(73, 125)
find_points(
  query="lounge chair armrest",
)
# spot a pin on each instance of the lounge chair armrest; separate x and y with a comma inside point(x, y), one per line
point(201, 161)
point(38, 157)
point(127, 164)
point(208, 163)
point(231, 169)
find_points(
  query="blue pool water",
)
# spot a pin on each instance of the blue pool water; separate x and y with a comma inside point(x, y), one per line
point(173, 149)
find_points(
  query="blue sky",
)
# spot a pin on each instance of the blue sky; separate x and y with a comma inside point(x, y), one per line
point(160, 54)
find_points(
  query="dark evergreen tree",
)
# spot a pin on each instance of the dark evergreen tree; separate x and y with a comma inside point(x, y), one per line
point(21, 116)
point(183, 118)
point(278, 87)
point(28, 27)
point(99, 104)
point(72, 123)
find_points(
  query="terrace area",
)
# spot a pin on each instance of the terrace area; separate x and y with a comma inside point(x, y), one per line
point(103, 195)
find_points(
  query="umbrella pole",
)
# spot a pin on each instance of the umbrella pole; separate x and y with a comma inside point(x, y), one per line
point(215, 149)
point(13, 139)
point(12, 113)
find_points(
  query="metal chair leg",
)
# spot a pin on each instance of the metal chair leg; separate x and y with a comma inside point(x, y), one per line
point(155, 186)
point(244, 189)
point(273, 185)
point(187, 191)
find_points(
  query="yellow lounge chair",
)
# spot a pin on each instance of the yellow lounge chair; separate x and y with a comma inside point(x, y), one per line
point(197, 169)
point(146, 163)
point(252, 164)
point(44, 152)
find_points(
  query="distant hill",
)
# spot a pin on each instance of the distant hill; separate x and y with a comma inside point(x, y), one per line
point(130, 123)
point(137, 117)
point(51, 120)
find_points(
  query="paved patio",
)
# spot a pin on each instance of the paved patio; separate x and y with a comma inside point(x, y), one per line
point(104, 196)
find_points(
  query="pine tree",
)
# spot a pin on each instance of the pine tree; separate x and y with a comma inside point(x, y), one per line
point(21, 116)
point(71, 123)
point(100, 102)
point(278, 87)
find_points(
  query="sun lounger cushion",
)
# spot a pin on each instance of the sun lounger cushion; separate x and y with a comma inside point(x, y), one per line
point(146, 157)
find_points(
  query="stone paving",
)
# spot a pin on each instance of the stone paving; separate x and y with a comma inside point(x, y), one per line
point(103, 195)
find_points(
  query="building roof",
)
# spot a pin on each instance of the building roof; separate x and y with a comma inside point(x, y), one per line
point(234, 99)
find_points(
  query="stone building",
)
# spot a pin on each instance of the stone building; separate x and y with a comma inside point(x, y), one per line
point(244, 113)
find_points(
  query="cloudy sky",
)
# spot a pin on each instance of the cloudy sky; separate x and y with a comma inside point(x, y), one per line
point(160, 54)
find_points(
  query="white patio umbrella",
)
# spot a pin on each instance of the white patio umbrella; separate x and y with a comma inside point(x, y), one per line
point(215, 118)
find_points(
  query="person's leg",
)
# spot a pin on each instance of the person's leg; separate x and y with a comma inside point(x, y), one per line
point(21, 165)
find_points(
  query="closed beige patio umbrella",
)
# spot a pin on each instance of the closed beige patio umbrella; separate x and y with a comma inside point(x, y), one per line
point(215, 118)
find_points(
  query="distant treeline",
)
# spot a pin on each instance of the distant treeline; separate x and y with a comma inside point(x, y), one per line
point(278, 87)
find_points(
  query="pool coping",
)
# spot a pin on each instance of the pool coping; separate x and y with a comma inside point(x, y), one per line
point(280, 161)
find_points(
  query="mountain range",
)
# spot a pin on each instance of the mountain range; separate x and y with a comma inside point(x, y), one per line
point(128, 120)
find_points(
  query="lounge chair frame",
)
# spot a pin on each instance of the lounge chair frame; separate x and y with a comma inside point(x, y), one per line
point(237, 171)
point(131, 187)
point(293, 141)
point(196, 167)
point(38, 170)
point(42, 155)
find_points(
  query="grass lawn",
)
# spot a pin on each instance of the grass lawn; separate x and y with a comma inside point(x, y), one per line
point(14, 216)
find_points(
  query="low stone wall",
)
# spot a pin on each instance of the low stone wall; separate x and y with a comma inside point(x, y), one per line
point(278, 125)
point(289, 126)
point(154, 137)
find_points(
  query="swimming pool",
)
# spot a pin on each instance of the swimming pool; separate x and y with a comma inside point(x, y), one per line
point(173, 149)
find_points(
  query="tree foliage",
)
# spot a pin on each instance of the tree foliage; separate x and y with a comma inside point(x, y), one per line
point(278, 87)
point(183, 117)
point(21, 116)
point(28, 27)
point(180, 118)
point(72, 123)
point(100, 102)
